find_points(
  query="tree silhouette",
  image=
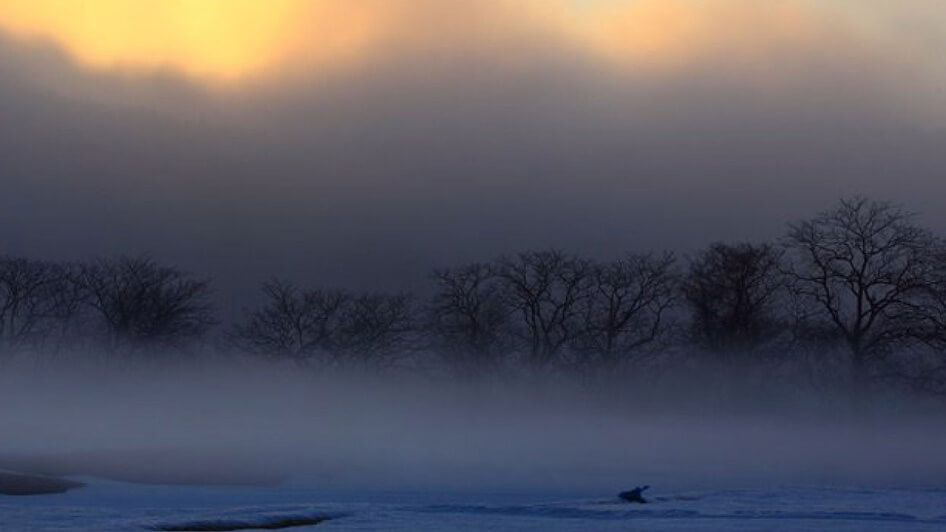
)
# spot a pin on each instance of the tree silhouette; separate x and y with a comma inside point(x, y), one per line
point(865, 266)
point(468, 317)
point(327, 327)
point(929, 371)
point(142, 304)
point(626, 309)
point(731, 293)
point(294, 324)
point(39, 303)
point(378, 329)
point(548, 291)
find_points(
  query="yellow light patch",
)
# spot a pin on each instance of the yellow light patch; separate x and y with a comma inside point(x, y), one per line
point(219, 40)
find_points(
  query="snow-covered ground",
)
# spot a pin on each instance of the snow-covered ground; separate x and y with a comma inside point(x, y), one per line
point(111, 506)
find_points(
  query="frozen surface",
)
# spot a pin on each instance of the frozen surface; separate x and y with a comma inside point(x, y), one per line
point(111, 506)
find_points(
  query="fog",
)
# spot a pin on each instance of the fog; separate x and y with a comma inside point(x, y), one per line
point(248, 422)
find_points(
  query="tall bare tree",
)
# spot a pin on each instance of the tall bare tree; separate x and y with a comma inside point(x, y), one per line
point(140, 303)
point(626, 310)
point(732, 294)
point(865, 266)
point(548, 291)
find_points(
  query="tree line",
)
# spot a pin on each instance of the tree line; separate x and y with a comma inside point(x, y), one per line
point(118, 306)
point(857, 291)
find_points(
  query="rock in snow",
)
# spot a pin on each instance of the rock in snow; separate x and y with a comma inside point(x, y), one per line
point(19, 484)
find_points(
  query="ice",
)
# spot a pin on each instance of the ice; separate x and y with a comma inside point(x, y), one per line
point(114, 506)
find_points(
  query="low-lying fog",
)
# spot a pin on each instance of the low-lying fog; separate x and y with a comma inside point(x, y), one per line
point(243, 422)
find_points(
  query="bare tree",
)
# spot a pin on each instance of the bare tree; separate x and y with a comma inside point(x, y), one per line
point(142, 304)
point(39, 302)
point(626, 309)
point(328, 327)
point(548, 291)
point(732, 294)
point(379, 329)
point(865, 266)
point(468, 317)
point(294, 324)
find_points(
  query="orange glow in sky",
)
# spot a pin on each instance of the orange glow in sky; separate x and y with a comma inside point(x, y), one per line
point(232, 40)
point(219, 40)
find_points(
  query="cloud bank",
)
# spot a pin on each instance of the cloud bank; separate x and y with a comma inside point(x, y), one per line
point(361, 143)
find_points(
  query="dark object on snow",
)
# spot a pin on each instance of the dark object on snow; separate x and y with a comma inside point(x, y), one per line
point(277, 523)
point(635, 495)
point(19, 484)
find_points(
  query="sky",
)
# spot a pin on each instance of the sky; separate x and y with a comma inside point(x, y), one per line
point(360, 143)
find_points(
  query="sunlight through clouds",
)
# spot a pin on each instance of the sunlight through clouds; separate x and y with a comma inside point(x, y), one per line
point(215, 40)
point(232, 41)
